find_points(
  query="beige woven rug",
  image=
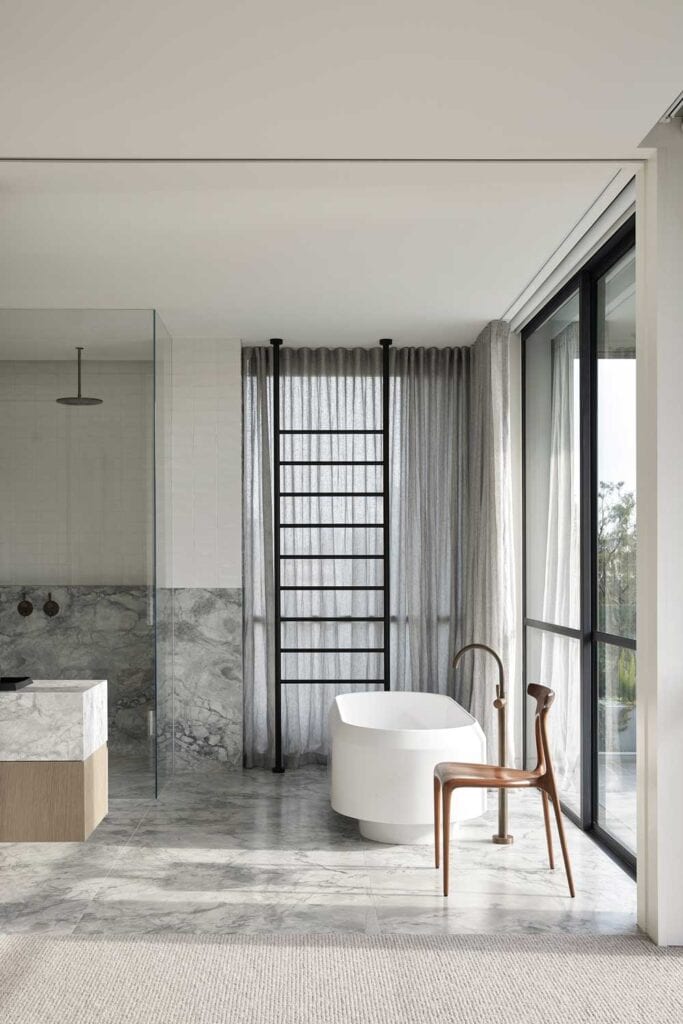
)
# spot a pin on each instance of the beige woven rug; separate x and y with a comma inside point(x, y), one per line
point(338, 979)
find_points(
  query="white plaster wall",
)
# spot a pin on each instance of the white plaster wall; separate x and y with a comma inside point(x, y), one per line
point(659, 299)
point(75, 495)
point(206, 454)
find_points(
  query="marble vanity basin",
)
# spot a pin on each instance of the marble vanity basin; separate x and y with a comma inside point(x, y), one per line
point(53, 760)
point(53, 720)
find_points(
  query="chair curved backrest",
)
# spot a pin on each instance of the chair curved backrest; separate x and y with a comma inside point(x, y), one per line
point(544, 698)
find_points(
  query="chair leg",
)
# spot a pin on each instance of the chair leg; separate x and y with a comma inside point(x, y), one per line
point(548, 834)
point(563, 842)
point(446, 829)
point(437, 823)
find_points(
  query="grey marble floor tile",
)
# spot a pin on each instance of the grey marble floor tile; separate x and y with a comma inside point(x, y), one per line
point(419, 915)
point(227, 851)
point(58, 915)
point(73, 860)
point(321, 917)
point(224, 917)
point(60, 864)
point(315, 858)
point(208, 875)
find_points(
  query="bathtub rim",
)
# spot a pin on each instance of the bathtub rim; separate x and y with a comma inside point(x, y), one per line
point(405, 733)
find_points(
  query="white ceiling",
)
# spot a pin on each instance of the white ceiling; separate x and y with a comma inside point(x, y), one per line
point(306, 78)
point(53, 334)
point(315, 253)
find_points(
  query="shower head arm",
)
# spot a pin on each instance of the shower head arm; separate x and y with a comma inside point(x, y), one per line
point(79, 399)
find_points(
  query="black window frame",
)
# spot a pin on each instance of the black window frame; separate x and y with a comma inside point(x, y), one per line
point(585, 283)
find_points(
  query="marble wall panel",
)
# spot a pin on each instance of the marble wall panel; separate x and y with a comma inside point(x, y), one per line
point(101, 632)
point(207, 676)
point(106, 632)
point(165, 694)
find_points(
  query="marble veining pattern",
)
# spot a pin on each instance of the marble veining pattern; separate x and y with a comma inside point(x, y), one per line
point(248, 851)
point(101, 632)
point(207, 676)
point(53, 720)
point(165, 603)
point(95, 717)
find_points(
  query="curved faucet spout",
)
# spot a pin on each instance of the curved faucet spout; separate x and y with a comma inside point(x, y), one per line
point(502, 837)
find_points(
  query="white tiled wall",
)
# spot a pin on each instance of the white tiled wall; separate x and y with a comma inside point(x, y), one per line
point(207, 463)
point(163, 440)
point(75, 483)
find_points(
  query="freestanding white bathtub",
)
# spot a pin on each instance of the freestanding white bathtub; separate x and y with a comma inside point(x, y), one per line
point(383, 748)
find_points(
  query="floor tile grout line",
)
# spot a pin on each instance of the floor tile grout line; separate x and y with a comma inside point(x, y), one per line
point(107, 875)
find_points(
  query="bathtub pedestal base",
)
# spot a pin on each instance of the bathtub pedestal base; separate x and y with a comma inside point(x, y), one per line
point(397, 835)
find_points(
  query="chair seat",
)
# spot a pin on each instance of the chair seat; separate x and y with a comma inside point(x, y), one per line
point(492, 775)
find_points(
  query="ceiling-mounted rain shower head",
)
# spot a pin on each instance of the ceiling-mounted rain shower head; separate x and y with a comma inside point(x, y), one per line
point(79, 399)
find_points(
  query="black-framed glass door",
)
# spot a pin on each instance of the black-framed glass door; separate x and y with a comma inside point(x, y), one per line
point(578, 421)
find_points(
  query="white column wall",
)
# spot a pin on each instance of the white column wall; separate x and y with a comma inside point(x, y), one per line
point(660, 538)
point(207, 463)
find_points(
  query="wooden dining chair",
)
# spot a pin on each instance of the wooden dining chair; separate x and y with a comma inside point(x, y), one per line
point(450, 775)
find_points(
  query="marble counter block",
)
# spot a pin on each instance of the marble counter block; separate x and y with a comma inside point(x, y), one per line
point(53, 761)
point(53, 720)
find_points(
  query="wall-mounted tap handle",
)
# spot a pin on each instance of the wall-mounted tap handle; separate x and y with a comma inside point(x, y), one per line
point(51, 608)
point(24, 607)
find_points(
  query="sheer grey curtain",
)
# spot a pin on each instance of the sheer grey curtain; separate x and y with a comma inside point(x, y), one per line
point(451, 551)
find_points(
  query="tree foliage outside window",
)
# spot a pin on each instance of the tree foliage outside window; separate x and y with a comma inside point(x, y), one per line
point(616, 569)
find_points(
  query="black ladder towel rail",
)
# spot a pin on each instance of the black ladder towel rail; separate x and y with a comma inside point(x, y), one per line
point(279, 557)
